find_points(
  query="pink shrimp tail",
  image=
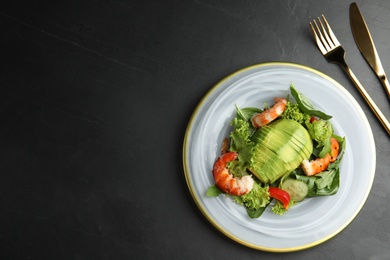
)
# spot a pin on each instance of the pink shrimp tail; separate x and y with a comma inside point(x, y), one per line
point(267, 116)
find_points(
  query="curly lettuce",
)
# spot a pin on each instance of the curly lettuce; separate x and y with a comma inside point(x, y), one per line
point(293, 112)
point(320, 131)
point(240, 139)
point(279, 208)
point(255, 201)
point(257, 198)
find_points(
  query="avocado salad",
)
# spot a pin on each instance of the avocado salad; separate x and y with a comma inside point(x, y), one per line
point(296, 155)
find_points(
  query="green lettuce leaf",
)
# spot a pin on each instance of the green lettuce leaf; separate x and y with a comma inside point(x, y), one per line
point(321, 131)
point(306, 106)
point(279, 208)
point(213, 191)
point(293, 112)
point(247, 113)
point(256, 199)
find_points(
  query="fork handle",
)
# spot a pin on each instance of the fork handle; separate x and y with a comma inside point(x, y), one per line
point(367, 97)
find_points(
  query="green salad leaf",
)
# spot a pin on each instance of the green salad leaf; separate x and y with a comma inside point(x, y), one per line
point(255, 213)
point(279, 209)
point(320, 131)
point(256, 199)
point(325, 149)
point(306, 106)
point(240, 138)
point(246, 113)
point(293, 112)
point(213, 191)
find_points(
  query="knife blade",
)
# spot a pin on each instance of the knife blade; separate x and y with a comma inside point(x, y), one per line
point(366, 45)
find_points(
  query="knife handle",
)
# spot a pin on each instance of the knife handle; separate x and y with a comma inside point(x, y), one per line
point(378, 113)
point(385, 84)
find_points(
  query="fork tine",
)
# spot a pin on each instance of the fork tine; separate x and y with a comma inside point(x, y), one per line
point(326, 34)
point(324, 42)
point(332, 36)
point(318, 41)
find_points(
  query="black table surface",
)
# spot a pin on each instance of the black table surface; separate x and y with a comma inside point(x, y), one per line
point(95, 100)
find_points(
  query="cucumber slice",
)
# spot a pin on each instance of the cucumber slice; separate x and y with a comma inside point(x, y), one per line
point(297, 189)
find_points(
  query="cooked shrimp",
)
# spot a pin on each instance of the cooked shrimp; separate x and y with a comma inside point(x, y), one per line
point(267, 116)
point(321, 164)
point(225, 180)
point(334, 145)
point(316, 166)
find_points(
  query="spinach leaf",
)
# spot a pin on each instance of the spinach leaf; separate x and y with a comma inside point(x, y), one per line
point(326, 181)
point(213, 191)
point(306, 106)
point(246, 113)
point(326, 149)
point(255, 213)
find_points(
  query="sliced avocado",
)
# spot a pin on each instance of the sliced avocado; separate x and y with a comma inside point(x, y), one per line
point(280, 148)
point(266, 164)
point(285, 149)
point(300, 135)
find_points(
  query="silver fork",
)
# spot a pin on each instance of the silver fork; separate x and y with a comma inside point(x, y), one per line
point(335, 53)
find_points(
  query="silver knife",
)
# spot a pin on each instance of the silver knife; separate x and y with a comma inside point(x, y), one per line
point(366, 45)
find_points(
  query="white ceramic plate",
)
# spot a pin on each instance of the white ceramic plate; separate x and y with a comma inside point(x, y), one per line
point(312, 221)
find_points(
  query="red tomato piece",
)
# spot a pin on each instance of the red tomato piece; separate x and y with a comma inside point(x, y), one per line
point(280, 195)
point(312, 119)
